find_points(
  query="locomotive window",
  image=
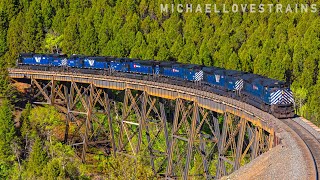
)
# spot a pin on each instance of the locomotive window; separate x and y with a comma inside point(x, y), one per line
point(273, 88)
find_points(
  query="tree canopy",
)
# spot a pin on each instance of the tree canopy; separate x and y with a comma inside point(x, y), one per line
point(283, 46)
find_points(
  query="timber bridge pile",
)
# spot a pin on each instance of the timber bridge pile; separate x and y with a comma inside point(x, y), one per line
point(218, 136)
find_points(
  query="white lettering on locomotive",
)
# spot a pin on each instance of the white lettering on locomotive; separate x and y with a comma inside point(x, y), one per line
point(91, 62)
point(38, 59)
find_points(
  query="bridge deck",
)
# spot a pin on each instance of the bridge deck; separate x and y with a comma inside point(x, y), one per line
point(205, 99)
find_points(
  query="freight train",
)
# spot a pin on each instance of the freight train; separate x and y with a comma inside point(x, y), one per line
point(272, 96)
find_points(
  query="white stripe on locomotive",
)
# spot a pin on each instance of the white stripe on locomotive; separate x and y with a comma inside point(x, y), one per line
point(239, 85)
point(281, 97)
point(64, 62)
point(198, 76)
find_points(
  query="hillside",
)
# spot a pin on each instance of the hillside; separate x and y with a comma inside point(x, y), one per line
point(283, 46)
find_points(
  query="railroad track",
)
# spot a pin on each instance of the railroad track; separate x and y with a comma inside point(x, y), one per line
point(311, 141)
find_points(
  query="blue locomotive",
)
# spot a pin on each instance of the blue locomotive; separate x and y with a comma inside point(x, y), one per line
point(43, 59)
point(267, 94)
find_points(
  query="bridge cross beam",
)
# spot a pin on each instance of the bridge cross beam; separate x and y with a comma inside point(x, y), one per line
point(193, 126)
point(64, 97)
point(150, 116)
point(42, 88)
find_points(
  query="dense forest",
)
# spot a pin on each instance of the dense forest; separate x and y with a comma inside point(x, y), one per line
point(284, 46)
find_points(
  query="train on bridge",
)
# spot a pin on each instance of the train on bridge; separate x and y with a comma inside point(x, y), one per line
point(267, 94)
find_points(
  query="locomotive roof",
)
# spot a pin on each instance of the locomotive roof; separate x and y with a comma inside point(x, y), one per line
point(49, 55)
point(222, 71)
point(77, 56)
point(97, 58)
point(26, 54)
point(55, 55)
point(267, 82)
point(122, 60)
point(211, 70)
point(193, 66)
point(262, 80)
point(146, 62)
point(189, 66)
point(167, 63)
point(110, 58)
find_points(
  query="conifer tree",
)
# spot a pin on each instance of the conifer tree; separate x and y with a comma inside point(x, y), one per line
point(36, 162)
point(7, 136)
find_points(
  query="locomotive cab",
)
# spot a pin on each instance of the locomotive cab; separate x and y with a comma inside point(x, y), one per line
point(281, 100)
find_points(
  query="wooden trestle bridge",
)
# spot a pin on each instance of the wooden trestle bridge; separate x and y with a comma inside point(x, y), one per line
point(214, 134)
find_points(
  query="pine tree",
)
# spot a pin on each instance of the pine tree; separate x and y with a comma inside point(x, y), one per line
point(26, 129)
point(70, 43)
point(139, 48)
point(36, 161)
point(3, 32)
point(177, 47)
point(47, 13)
point(14, 39)
point(105, 31)
point(233, 62)
point(7, 135)
point(88, 36)
point(204, 54)
point(32, 32)
point(186, 53)
point(59, 21)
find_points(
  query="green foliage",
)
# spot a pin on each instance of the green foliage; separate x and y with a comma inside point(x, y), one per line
point(53, 42)
point(25, 120)
point(43, 120)
point(7, 135)
point(43, 155)
point(32, 29)
point(36, 162)
point(282, 46)
point(63, 163)
point(123, 167)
